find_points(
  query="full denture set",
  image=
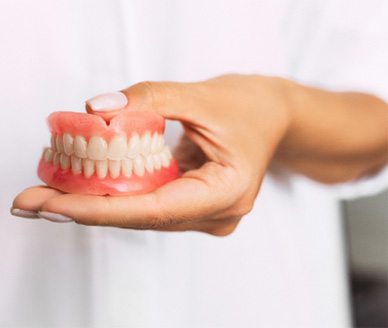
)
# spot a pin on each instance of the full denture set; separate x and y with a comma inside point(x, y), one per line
point(125, 156)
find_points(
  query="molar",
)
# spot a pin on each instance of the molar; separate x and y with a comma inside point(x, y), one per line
point(80, 147)
point(157, 161)
point(53, 143)
point(117, 147)
point(56, 159)
point(97, 148)
point(64, 161)
point(59, 144)
point(48, 154)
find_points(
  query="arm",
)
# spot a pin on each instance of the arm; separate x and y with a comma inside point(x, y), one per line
point(235, 125)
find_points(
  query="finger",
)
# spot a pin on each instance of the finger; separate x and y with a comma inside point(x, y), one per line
point(106, 105)
point(193, 197)
point(29, 201)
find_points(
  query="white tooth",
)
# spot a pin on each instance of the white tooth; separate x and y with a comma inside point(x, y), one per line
point(154, 143)
point(64, 161)
point(157, 161)
point(149, 164)
point(102, 168)
point(168, 152)
point(160, 142)
point(48, 155)
point(117, 147)
point(145, 144)
point(114, 168)
point(164, 159)
point(76, 165)
point(88, 167)
point(53, 145)
point(126, 167)
point(56, 159)
point(133, 146)
point(59, 144)
point(68, 141)
point(138, 166)
point(97, 148)
point(80, 147)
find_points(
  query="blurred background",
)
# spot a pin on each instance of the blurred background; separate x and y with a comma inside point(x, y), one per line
point(366, 229)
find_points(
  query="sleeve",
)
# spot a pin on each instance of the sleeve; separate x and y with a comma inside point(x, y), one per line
point(342, 45)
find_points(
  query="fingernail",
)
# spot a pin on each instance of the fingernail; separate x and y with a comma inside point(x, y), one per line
point(24, 213)
point(107, 101)
point(54, 217)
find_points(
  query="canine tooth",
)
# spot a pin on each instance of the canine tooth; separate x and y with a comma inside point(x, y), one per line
point(114, 168)
point(102, 168)
point(88, 167)
point(80, 147)
point(56, 159)
point(164, 159)
point(133, 146)
point(97, 148)
point(160, 142)
point(76, 165)
point(138, 166)
point(149, 164)
point(59, 144)
point(64, 161)
point(68, 142)
point(154, 143)
point(117, 147)
point(53, 145)
point(145, 144)
point(126, 167)
point(48, 155)
point(157, 161)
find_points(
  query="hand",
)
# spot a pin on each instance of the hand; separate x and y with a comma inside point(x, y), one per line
point(232, 125)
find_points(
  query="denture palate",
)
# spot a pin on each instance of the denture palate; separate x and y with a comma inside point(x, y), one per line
point(118, 156)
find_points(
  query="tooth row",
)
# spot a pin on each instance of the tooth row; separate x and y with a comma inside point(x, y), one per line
point(117, 149)
point(138, 165)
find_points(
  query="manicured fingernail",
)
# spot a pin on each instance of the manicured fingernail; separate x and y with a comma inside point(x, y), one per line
point(54, 217)
point(107, 101)
point(24, 213)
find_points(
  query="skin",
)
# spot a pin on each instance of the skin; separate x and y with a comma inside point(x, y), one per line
point(235, 126)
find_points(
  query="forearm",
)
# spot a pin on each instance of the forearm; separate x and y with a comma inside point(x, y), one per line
point(334, 137)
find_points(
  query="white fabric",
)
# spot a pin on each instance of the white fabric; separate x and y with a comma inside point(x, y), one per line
point(283, 267)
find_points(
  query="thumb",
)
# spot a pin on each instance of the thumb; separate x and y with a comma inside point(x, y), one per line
point(169, 99)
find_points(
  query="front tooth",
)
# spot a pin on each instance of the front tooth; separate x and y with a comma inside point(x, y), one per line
point(145, 144)
point(102, 168)
point(154, 143)
point(76, 165)
point(126, 167)
point(53, 143)
point(117, 147)
point(97, 148)
point(68, 141)
point(88, 167)
point(157, 161)
point(133, 146)
point(59, 144)
point(164, 159)
point(138, 166)
point(114, 169)
point(48, 155)
point(80, 145)
point(56, 159)
point(149, 164)
point(64, 161)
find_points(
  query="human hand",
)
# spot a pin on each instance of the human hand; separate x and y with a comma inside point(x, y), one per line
point(233, 125)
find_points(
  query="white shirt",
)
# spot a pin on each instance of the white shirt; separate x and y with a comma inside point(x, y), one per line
point(283, 267)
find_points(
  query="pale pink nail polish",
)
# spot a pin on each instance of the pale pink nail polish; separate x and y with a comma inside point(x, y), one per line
point(54, 217)
point(24, 213)
point(107, 101)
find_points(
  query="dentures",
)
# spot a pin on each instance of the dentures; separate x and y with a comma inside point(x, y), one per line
point(125, 157)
